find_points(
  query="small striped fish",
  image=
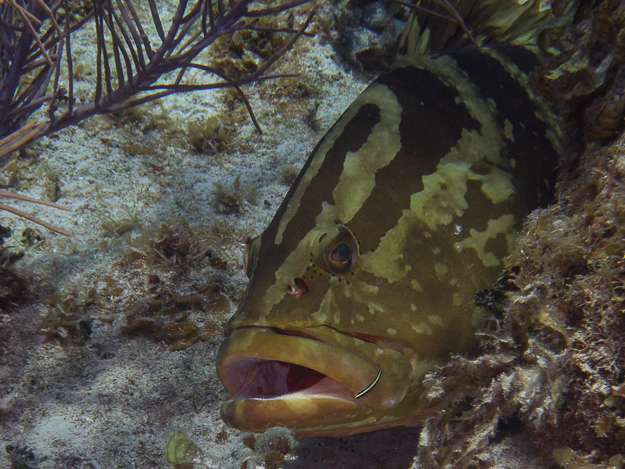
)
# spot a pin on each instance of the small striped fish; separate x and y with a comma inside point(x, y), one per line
point(365, 280)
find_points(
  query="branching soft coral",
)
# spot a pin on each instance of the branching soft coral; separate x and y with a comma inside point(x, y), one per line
point(27, 216)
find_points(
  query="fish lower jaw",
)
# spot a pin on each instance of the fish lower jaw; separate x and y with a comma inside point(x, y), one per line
point(302, 411)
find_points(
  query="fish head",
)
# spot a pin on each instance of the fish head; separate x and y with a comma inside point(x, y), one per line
point(337, 329)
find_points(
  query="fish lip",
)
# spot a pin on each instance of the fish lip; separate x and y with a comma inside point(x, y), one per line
point(255, 357)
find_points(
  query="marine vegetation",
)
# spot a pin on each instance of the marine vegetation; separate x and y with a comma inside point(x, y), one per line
point(141, 56)
point(155, 261)
point(135, 47)
point(14, 195)
point(271, 449)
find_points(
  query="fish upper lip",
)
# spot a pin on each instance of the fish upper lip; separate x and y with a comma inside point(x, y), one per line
point(257, 362)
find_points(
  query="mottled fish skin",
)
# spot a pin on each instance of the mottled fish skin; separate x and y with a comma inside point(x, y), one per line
point(425, 179)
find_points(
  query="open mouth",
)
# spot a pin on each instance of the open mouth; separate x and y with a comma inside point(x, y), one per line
point(270, 379)
point(306, 382)
point(259, 363)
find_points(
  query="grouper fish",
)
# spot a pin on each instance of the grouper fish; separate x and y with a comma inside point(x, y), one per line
point(365, 279)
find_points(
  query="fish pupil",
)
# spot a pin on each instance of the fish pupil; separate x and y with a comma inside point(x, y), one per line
point(341, 254)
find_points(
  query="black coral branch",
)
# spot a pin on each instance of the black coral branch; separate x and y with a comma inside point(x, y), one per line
point(132, 67)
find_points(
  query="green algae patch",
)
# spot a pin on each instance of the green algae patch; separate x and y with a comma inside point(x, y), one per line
point(180, 451)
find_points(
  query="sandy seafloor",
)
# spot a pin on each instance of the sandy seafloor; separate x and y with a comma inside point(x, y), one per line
point(110, 401)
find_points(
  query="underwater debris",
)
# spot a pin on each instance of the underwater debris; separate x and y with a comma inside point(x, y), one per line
point(229, 201)
point(67, 318)
point(214, 134)
point(365, 33)
point(21, 457)
point(181, 452)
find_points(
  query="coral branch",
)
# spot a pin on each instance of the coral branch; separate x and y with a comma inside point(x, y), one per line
point(121, 37)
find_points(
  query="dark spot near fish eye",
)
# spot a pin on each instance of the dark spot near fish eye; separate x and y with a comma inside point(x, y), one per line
point(307, 269)
point(347, 282)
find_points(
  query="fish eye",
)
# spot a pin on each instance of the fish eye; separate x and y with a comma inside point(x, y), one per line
point(340, 258)
point(335, 249)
